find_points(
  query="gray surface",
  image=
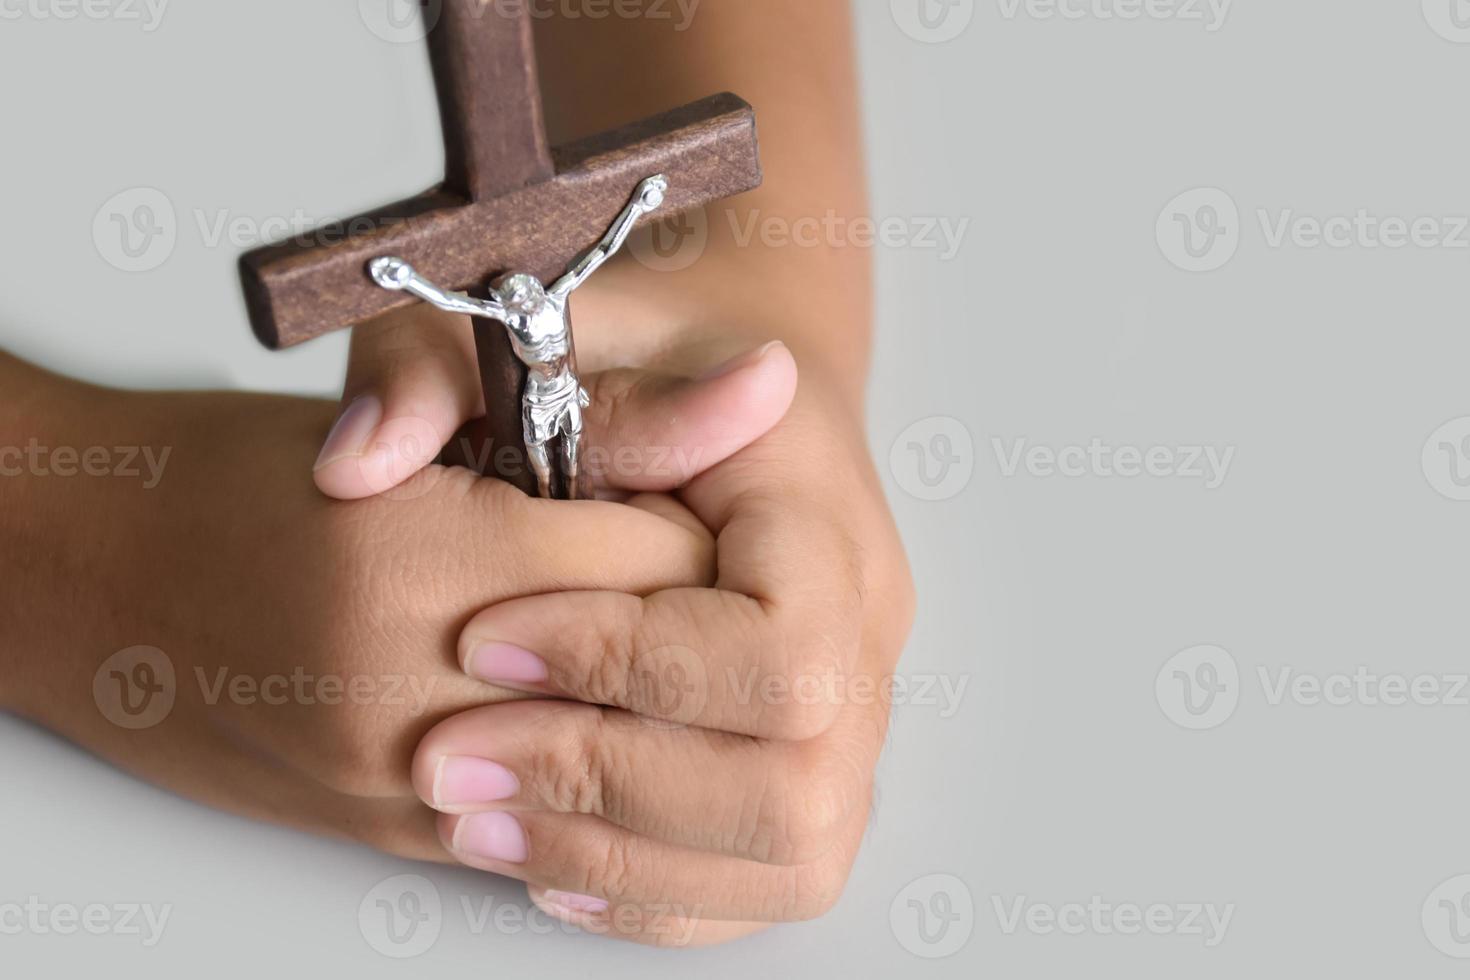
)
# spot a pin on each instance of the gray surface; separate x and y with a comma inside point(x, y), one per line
point(1057, 600)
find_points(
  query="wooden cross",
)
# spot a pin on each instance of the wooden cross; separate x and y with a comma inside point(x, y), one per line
point(508, 203)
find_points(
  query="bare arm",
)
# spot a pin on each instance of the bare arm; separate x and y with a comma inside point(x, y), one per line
point(398, 275)
point(647, 198)
point(795, 63)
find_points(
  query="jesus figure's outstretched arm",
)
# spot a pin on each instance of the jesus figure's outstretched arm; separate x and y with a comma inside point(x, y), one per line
point(647, 198)
point(398, 275)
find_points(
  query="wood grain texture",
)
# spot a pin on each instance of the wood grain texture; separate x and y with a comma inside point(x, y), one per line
point(508, 204)
point(484, 59)
point(303, 289)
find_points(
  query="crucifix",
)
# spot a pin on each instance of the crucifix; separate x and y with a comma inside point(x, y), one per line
point(508, 204)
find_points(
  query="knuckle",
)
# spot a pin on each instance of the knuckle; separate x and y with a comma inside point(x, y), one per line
point(610, 676)
point(804, 816)
point(575, 775)
point(614, 874)
point(811, 666)
point(790, 720)
point(815, 891)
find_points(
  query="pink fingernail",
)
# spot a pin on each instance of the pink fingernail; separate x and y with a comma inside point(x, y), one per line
point(349, 436)
point(492, 836)
point(502, 662)
point(465, 781)
point(575, 903)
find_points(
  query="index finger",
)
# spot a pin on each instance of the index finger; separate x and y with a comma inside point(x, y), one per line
point(768, 651)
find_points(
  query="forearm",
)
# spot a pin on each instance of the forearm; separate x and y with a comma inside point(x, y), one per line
point(794, 63)
point(28, 420)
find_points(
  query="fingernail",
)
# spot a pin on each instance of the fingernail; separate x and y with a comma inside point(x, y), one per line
point(350, 434)
point(493, 836)
point(571, 902)
point(503, 662)
point(464, 781)
point(738, 362)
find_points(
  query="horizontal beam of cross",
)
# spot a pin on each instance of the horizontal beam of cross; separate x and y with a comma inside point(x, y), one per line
point(315, 284)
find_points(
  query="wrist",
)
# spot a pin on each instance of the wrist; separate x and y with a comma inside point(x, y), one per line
point(23, 410)
point(49, 540)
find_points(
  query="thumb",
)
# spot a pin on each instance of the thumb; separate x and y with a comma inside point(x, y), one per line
point(412, 381)
point(655, 432)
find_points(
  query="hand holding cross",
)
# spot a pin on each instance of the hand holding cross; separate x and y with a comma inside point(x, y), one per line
point(508, 202)
point(541, 335)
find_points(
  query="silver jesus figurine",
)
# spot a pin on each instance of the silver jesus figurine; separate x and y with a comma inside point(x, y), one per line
point(540, 332)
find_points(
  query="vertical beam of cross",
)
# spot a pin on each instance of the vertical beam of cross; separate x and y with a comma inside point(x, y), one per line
point(484, 61)
point(507, 204)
